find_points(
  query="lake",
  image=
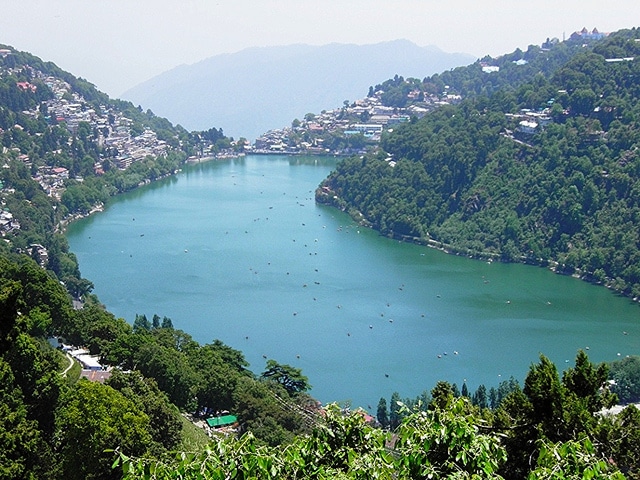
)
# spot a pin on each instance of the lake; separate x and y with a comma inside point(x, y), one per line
point(237, 250)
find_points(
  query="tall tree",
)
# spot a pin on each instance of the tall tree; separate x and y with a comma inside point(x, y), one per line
point(165, 425)
point(383, 413)
point(480, 397)
point(546, 394)
point(394, 411)
point(23, 452)
point(464, 392)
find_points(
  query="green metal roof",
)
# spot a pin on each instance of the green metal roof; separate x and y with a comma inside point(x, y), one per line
point(222, 421)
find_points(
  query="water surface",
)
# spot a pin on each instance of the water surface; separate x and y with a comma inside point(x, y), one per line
point(238, 250)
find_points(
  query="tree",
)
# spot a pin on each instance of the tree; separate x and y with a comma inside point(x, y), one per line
point(9, 296)
point(266, 410)
point(96, 328)
point(465, 390)
point(165, 425)
point(78, 287)
point(493, 398)
point(480, 397)
point(23, 453)
point(455, 390)
point(94, 418)
point(234, 358)
point(442, 395)
point(141, 323)
point(339, 439)
point(446, 443)
point(588, 383)
point(545, 392)
point(383, 413)
point(394, 410)
point(572, 460)
point(35, 368)
point(172, 371)
point(289, 377)
point(216, 380)
point(167, 323)
point(626, 379)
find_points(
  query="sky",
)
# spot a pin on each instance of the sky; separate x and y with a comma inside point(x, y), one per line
point(117, 44)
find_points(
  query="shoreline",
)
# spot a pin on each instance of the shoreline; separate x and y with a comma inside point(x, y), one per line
point(325, 196)
point(210, 158)
point(62, 225)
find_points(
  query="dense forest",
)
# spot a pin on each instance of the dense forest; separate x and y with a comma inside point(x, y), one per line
point(473, 179)
point(54, 423)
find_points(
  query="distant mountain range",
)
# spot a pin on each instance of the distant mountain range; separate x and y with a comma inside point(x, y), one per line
point(258, 89)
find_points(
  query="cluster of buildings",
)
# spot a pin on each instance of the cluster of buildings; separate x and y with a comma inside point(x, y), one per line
point(111, 128)
point(367, 116)
point(92, 369)
point(530, 121)
point(585, 34)
point(52, 179)
point(8, 224)
point(107, 126)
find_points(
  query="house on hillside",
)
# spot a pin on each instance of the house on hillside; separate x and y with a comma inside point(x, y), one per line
point(222, 421)
point(585, 34)
point(528, 127)
point(95, 375)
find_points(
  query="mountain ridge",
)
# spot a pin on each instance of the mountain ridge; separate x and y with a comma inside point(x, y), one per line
point(235, 90)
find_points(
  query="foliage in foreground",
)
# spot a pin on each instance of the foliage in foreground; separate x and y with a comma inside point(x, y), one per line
point(451, 442)
point(551, 428)
point(437, 444)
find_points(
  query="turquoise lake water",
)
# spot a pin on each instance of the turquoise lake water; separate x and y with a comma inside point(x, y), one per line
point(237, 250)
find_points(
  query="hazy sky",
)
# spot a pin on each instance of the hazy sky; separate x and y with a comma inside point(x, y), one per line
point(117, 44)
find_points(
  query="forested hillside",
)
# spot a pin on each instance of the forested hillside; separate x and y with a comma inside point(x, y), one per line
point(543, 171)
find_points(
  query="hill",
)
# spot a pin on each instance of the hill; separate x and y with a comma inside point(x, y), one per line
point(258, 89)
point(541, 168)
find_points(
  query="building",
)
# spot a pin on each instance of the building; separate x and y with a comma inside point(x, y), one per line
point(585, 34)
point(222, 421)
point(95, 375)
point(367, 128)
point(88, 362)
point(490, 68)
point(528, 127)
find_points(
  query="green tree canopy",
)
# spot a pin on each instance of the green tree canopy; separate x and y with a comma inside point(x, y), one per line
point(93, 419)
point(291, 378)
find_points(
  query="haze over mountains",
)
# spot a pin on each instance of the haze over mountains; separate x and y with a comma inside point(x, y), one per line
point(252, 91)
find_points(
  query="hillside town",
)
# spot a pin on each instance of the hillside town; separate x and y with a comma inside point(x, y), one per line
point(348, 130)
point(113, 131)
point(357, 127)
point(70, 116)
